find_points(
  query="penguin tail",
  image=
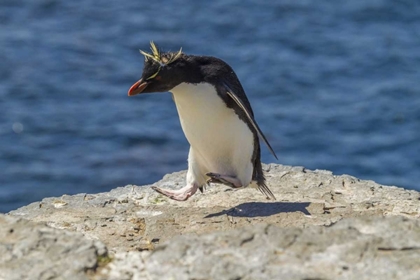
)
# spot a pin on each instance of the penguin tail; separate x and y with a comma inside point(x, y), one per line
point(263, 188)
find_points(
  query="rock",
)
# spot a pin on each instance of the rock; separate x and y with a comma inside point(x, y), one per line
point(355, 248)
point(35, 251)
point(132, 221)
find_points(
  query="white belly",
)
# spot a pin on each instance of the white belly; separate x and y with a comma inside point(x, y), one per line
point(221, 142)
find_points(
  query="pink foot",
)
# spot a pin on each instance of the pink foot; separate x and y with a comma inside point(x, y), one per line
point(179, 195)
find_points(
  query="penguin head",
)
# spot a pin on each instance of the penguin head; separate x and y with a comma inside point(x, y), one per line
point(163, 71)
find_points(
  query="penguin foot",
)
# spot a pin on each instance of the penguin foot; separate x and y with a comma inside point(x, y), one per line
point(230, 181)
point(179, 195)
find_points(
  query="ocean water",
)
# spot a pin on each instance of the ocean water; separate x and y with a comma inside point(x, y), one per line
point(333, 84)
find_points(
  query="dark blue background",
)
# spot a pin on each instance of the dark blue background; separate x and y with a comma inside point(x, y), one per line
point(334, 85)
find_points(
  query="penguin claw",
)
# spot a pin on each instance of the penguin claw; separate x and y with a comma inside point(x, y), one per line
point(202, 188)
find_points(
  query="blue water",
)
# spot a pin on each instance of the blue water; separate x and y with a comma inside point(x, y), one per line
point(334, 85)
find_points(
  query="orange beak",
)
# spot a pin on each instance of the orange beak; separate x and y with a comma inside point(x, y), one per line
point(137, 88)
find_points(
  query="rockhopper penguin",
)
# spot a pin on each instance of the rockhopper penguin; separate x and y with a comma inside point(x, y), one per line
point(215, 115)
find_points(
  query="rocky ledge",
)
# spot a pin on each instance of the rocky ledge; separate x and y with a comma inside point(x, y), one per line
point(322, 227)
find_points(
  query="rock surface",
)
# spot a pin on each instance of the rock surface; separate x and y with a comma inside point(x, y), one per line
point(322, 227)
point(356, 248)
point(35, 251)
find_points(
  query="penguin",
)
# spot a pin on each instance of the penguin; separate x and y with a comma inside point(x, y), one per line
point(216, 117)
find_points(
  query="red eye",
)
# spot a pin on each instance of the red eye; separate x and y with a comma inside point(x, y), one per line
point(158, 78)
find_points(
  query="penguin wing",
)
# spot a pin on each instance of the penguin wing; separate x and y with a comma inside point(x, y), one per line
point(249, 116)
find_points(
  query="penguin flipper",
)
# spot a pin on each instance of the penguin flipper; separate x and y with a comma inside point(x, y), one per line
point(249, 116)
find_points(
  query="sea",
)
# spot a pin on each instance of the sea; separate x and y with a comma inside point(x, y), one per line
point(333, 84)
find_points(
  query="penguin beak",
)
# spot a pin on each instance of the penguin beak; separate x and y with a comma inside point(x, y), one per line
point(138, 87)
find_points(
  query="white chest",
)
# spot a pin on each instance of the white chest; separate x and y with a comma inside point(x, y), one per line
point(223, 142)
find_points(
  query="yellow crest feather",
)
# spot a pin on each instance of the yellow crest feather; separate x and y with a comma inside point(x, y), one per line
point(175, 56)
point(147, 55)
point(155, 50)
point(167, 58)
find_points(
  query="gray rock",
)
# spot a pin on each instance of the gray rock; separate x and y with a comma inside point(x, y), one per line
point(132, 221)
point(354, 248)
point(35, 251)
